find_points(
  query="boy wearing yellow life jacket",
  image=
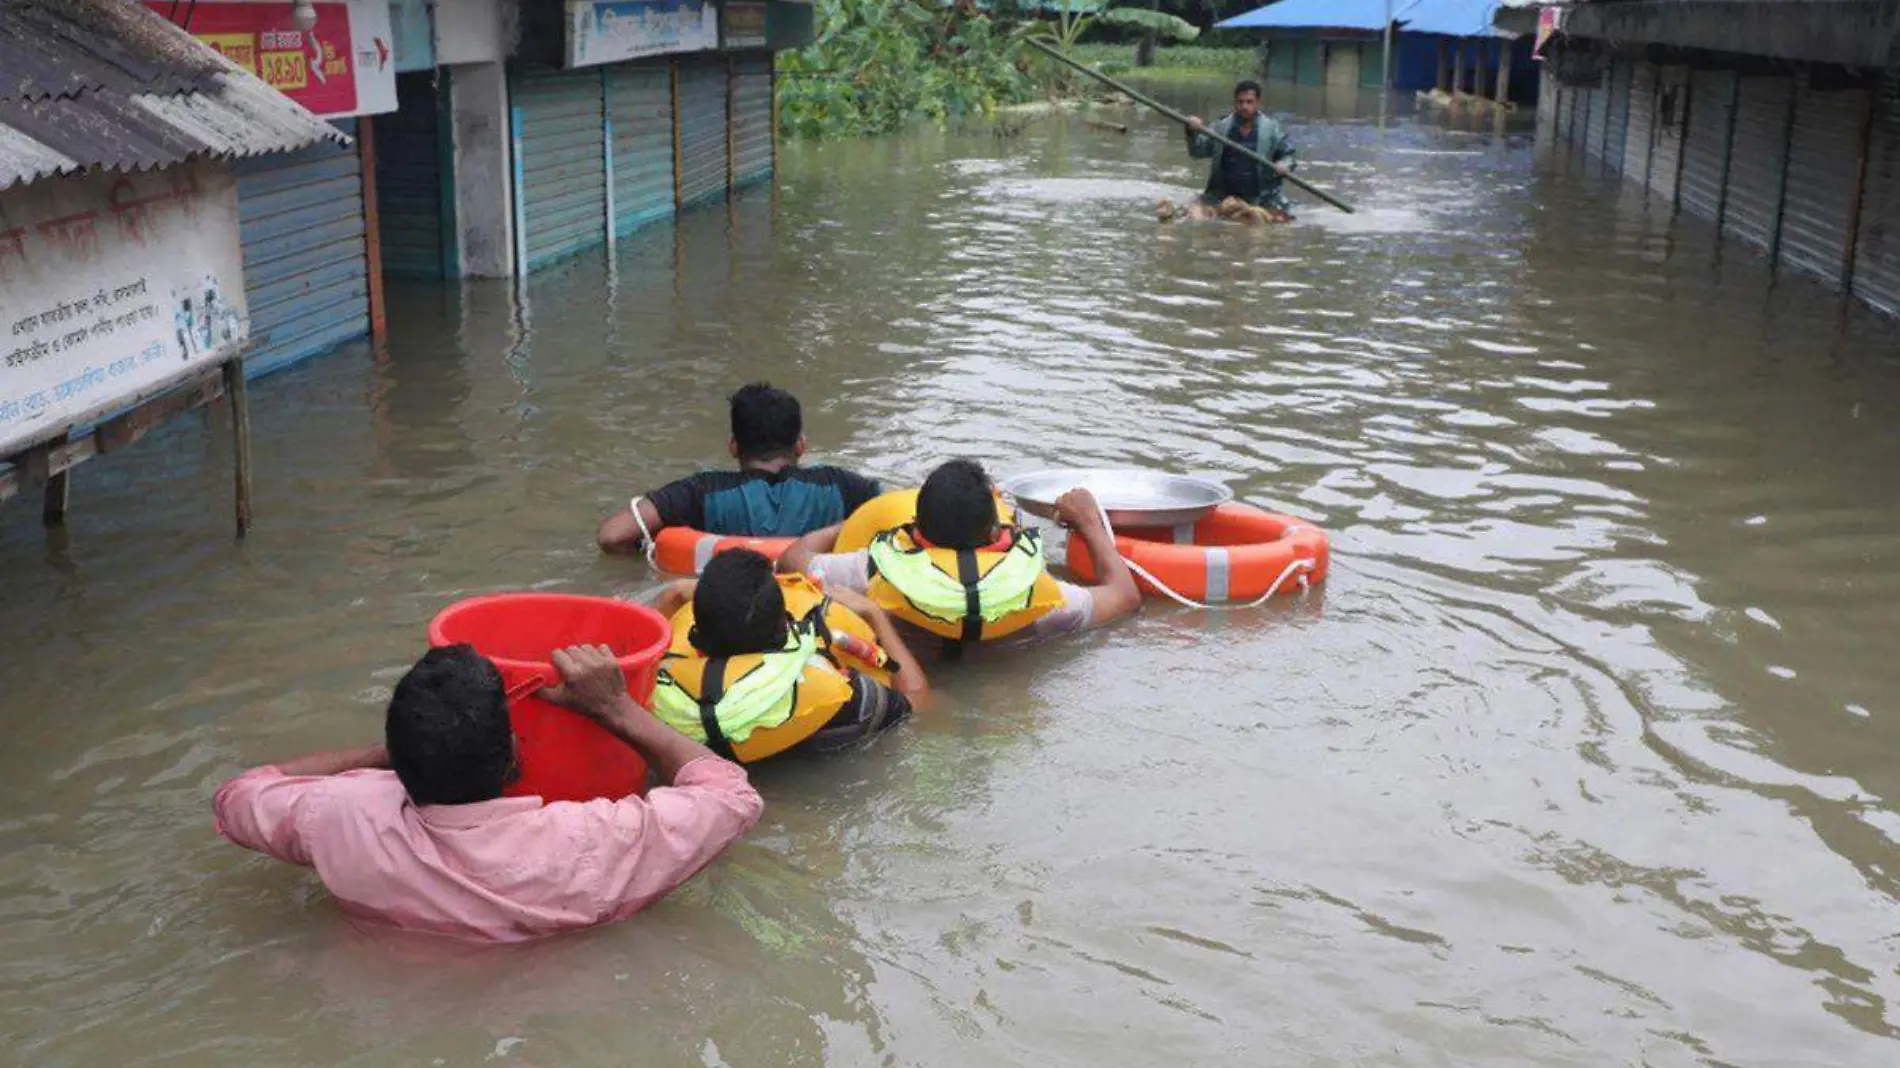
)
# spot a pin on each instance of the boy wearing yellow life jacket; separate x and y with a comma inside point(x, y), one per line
point(762, 663)
point(965, 573)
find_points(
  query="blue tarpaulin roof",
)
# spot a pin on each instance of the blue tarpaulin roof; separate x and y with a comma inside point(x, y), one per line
point(1455, 18)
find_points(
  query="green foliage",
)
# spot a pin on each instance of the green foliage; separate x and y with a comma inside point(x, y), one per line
point(1235, 61)
point(879, 65)
point(1158, 23)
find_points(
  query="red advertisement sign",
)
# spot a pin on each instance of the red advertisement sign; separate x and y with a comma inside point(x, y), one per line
point(314, 67)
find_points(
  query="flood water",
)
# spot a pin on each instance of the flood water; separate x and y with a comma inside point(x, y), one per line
point(1585, 754)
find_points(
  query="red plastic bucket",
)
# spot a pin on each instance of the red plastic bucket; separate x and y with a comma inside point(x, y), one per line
point(564, 756)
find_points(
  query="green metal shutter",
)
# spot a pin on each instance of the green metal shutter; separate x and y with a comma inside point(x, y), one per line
point(411, 144)
point(1281, 55)
point(1597, 120)
point(751, 118)
point(640, 106)
point(562, 169)
point(702, 129)
point(1312, 63)
point(306, 265)
point(1371, 65)
point(1757, 159)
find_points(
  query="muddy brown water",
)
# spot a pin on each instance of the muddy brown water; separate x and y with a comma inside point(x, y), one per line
point(1586, 754)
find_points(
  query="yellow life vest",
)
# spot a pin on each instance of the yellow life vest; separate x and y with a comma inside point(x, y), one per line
point(964, 595)
point(750, 707)
point(888, 511)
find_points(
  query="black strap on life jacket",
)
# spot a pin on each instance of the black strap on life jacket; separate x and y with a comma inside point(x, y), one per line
point(712, 686)
point(972, 606)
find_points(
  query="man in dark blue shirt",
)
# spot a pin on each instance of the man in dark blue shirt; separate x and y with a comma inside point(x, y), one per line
point(769, 496)
point(1235, 175)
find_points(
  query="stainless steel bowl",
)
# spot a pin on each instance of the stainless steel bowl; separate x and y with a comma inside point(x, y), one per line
point(1130, 497)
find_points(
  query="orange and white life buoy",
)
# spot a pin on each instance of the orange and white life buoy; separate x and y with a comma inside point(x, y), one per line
point(1235, 553)
point(685, 551)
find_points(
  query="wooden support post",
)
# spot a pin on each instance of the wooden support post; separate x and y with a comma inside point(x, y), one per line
point(1458, 70)
point(1504, 72)
point(1444, 66)
point(372, 230)
point(772, 69)
point(58, 494)
point(732, 179)
point(235, 389)
point(1859, 198)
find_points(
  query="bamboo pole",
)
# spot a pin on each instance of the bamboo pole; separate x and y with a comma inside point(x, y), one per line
point(1139, 98)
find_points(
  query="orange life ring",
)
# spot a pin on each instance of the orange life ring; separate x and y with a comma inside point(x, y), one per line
point(684, 551)
point(1236, 553)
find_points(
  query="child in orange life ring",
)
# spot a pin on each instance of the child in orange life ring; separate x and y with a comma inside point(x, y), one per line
point(790, 671)
point(964, 575)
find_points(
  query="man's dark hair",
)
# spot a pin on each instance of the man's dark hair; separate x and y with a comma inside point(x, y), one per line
point(447, 729)
point(766, 422)
point(738, 607)
point(956, 509)
point(1248, 86)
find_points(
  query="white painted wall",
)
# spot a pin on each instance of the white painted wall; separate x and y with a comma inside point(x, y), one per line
point(474, 31)
point(484, 173)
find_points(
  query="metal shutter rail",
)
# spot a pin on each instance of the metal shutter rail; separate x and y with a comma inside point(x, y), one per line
point(1877, 254)
point(563, 168)
point(1616, 136)
point(1705, 149)
point(1665, 153)
point(1822, 170)
point(306, 268)
point(1640, 132)
point(751, 118)
point(409, 181)
point(1756, 159)
point(702, 130)
point(640, 104)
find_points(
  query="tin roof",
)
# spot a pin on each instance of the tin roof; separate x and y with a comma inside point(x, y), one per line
point(110, 84)
point(1455, 18)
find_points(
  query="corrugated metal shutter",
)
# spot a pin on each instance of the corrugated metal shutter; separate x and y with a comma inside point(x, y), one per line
point(1616, 136)
point(409, 153)
point(1372, 65)
point(1312, 63)
point(1705, 153)
point(1640, 132)
point(562, 169)
point(306, 266)
point(751, 118)
point(702, 133)
point(1671, 112)
point(1597, 120)
point(1342, 64)
point(1823, 167)
point(640, 105)
point(1760, 150)
point(1282, 54)
point(1877, 254)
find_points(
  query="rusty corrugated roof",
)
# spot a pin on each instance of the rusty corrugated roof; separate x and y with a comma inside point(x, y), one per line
point(110, 84)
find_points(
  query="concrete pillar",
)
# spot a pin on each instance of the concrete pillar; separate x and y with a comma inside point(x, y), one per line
point(484, 171)
point(1504, 71)
point(1458, 69)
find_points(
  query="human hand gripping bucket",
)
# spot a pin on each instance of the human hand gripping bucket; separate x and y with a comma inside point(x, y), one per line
point(564, 756)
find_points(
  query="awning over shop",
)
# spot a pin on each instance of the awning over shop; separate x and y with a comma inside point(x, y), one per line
point(1454, 18)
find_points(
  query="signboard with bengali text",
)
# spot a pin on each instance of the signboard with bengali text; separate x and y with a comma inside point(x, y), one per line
point(610, 31)
point(344, 65)
point(112, 286)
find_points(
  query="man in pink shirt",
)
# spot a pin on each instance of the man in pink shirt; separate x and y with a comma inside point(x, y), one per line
point(432, 845)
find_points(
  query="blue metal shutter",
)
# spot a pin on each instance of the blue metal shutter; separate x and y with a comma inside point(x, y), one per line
point(1616, 136)
point(1705, 149)
point(751, 118)
point(1282, 53)
point(1598, 118)
point(1640, 132)
point(640, 106)
point(1823, 166)
point(563, 168)
point(702, 131)
point(306, 265)
point(1760, 149)
point(409, 173)
point(1877, 254)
